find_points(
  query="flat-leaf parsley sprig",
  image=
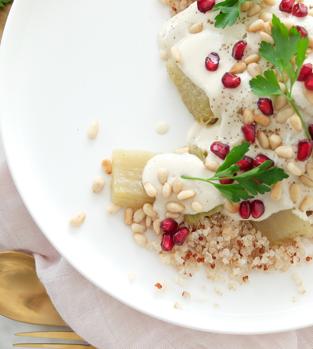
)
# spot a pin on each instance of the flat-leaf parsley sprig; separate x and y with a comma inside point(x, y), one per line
point(246, 185)
point(287, 55)
point(229, 11)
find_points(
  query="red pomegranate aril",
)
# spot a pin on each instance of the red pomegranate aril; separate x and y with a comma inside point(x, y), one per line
point(230, 80)
point(260, 158)
point(205, 5)
point(239, 49)
point(257, 208)
point(220, 149)
point(249, 132)
point(305, 148)
point(303, 32)
point(169, 226)
point(226, 181)
point(308, 83)
point(266, 106)
point(212, 61)
point(245, 209)
point(310, 128)
point(286, 5)
point(305, 71)
point(245, 164)
point(180, 236)
point(300, 10)
point(167, 242)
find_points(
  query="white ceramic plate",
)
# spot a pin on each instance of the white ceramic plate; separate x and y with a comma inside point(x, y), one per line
point(65, 63)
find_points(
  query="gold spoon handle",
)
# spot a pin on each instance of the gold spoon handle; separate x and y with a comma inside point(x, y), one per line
point(68, 335)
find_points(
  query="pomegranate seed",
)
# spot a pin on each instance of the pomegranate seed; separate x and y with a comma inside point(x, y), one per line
point(300, 10)
point(305, 71)
point(226, 181)
point(205, 5)
point(309, 82)
point(266, 106)
point(220, 149)
point(180, 237)
point(169, 226)
point(260, 158)
point(305, 148)
point(245, 164)
point(311, 130)
point(286, 5)
point(230, 80)
point(257, 208)
point(239, 49)
point(303, 32)
point(249, 131)
point(245, 209)
point(212, 61)
point(167, 242)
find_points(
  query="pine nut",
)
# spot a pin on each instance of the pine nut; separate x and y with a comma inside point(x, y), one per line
point(263, 140)
point(310, 12)
point(238, 68)
point(182, 150)
point(78, 220)
point(262, 120)
point(97, 185)
point(140, 239)
point(139, 215)
point(295, 123)
point(282, 86)
point(149, 211)
point(306, 204)
point(128, 216)
point(254, 10)
point(284, 114)
point(177, 185)
point(148, 221)
point(308, 95)
point(176, 54)
point(138, 228)
point(196, 28)
point(266, 37)
point(254, 58)
point(231, 207)
point(256, 26)
point(248, 117)
point(294, 192)
point(276, 191)
point(107, 166)
point(275, 141)
point(175, 207)
point(309, 169)
point(284, 151)
point(294, 169)
point(269, 2)
point(246, 6)
point(280, 102)
point(93, 130)
point(254, 69)
point(112, 209)
point(266, 16)
point(196, 206)
point(163, 55)
point(156, 226)
point(268, 28)
point(211, 165)
point(185, 195)
point(172, 215)
point(307, 181)
point(162, 175)
point(166, 190)
point(311, 41)
point(150, 190)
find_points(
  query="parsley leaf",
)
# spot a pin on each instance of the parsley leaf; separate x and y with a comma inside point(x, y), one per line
point(229, 11)
point(235, 155)
point(3, 3)
point(266, 85)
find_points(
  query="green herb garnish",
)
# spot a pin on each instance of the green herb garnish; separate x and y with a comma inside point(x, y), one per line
point(287, 55)
point(247, 185)
point(3, 3)
point(229, 11)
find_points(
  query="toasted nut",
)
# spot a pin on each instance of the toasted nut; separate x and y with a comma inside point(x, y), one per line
point(254, 69)
point(284, 151)
point(282, 86)
point(93, 130)
point(266, 37)
point(186, 194)
point(306, 204)
point(263, 140)
point(148, 222)
point(166, 190)
point(254, 58)
point(309, 169)
point(211, 165)
point(196, 28)
point(150, 190)
point(284, 114)
point(149, 211)
point(97, 185)
point(275, 141)
point(246, 6)
point(175, 207)
point(107, 166)
point(162, 175)
point(276, 191)
point(196, 206)
point(112, 209)
point(128, 216)
point(294, 169)
point(307, 181)
point(280, 102)
point(139, 215)
point(269, 2)
point(266, 16)
point(138, 228)
point(254, 10)
point(156, 226)
point(176, 54)
point(295, 123)
point(172, 215)
point(78, 220)
point(268, 27)
point(248, 117)
point(177, 185)
point(308, 95)
point(163, 55)
point(140, 239)
point(262, 119)
point(231, 207)
point(256, 26)
point(238, 68)
point(294, 192)
point(310, 12)
point(311, 41)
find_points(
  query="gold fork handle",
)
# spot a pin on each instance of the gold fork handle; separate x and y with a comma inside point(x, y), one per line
point(53, 346)
point(68, 335)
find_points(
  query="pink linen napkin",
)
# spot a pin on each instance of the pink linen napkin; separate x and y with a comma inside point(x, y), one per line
point(99, 318)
